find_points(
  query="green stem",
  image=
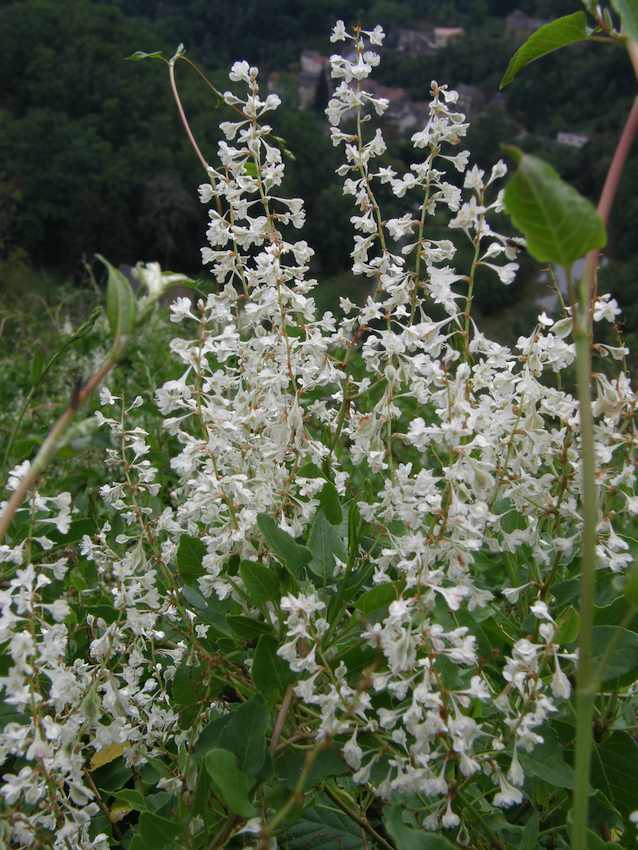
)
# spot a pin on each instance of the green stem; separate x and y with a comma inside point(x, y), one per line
point(51, 445)
point(581, 312)
point(585, 684)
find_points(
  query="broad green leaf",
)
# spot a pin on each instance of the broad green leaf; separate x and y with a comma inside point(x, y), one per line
point(121, 308)
point(156, 832)
point(546, 761)
point(212, 611)
point(615, 770)
point(321, 828)
point(230, 783)
point(619, 610)
point(112, 776)
point(132, 798)
point(617, 650)
point(330, 504)
point(247, 627)
point(328, 763)
point(9, 714)
point(245, 735)
point(189, 684)
point(560, 226)
point(139, 56)
point(325, 544)
point(211, 735)
point(552, 36)
point(270, 673)
point(407, 837)
point(628, 11)
point(376, 598)
point(293, 556)
point(568, 626)
point(260, 582)
point(190, 554)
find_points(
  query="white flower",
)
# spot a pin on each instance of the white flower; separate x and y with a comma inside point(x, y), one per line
point(561, 686)
point(338, 32)
point(240, 71)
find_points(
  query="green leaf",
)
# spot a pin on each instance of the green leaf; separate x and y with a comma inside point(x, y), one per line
point(321, 828)
point(121, 308)
point(212, 611)
point(260, 582)
point(330, 504)
point(230, 783)
point(10, 714)
point(615, 770)
point(156, 831)
point(211, 735)
point(247, 627)
point(376, 598)
point(628, 11)
point(325, 544)
point(245, 734)
point(132, 798)
point(189, 684)
point(568, 626)
point(190, 554)
point(617, 649)
point(407, 837)
point(328, 763)
point(552, 36)
point(560, 226)
point(139, 56)
point(270, 673)
point(546, 761)
point(38, 365)
point(293, 556)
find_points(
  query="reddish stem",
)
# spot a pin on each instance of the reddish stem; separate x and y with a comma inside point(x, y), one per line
point(610, 188)
point(182, 115)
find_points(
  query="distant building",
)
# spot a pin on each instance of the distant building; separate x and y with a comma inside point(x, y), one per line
point(572, 140)
point(313, 66)
point(403, 113)
point(445, 35)
point(520, 26)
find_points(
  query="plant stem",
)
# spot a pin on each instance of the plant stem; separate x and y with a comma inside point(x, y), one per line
point(182, 115)
point(50, 445)
point(582, 306)
point(610, 188)
point(585, 686)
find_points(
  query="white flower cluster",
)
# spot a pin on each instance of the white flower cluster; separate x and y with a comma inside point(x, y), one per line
point(460, 455)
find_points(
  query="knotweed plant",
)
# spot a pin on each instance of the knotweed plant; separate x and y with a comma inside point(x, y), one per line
point(349, 616)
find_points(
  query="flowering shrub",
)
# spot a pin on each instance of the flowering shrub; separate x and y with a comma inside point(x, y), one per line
point(350, 619)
